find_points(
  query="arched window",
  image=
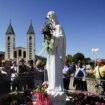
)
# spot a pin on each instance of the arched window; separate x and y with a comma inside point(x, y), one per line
point(30, 41)
point(8, 38)
point(15, 54)
point(20, 52)
point(24, 54)
point(30, 38)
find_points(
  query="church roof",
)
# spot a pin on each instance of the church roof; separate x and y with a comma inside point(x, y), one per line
point(30, 30)
point(10, 30)
point(20, 48)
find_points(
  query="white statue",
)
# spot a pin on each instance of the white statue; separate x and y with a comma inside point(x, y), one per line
point(56, 57)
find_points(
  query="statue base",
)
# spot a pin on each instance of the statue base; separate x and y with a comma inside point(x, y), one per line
point(57, 98)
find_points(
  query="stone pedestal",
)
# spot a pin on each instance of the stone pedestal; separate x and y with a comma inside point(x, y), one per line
point(57, 98)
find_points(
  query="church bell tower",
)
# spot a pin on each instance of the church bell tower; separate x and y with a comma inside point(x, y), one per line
point(9, 43)
point(30, 43)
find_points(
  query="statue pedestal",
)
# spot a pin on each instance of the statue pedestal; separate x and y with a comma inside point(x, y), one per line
point(57, 98)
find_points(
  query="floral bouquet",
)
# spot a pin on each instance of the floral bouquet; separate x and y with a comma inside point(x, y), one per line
point(84, 97)
point(46, 31)
point(48, 40)
point(41, 96)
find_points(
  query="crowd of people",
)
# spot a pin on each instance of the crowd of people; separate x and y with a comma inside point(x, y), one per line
point(81, 71)
point(29, 75)
point(21, 76)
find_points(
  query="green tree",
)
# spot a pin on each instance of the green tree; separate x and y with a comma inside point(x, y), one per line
point(87, 60)
point(78, 57)
point(69, 58)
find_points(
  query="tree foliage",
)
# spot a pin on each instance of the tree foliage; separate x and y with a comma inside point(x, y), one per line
point(69, 58)
point(78, 57)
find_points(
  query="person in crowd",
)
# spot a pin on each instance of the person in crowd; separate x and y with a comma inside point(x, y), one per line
point(80, 78)
point(14, 75)
point(3, 80)
point(73, 66)
point(2, 68)
point(7, 69)
point(22, 75)
point(40, 70)
point(66, 75)
point(31, 71)
point(38, 65)
point(88, 66)
point(99, 73)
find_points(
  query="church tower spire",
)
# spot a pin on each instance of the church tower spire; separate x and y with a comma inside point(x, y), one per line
point(30, 43)
point(10, 30)
point(30, 30)
point(10, 42)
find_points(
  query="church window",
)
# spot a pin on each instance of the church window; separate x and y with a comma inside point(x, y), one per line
point(24, 54)
point(8, 38)
point(30, 38)
point(15, 54)
point(8, 46)
point(8, 49)
point(20, 53)
point(30, 49)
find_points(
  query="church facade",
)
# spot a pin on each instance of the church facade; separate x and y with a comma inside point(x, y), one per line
point(15, 53)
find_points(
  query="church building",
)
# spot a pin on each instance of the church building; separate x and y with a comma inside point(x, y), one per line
point(12, 52)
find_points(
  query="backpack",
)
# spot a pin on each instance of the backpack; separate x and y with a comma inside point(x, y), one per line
point(80, 73)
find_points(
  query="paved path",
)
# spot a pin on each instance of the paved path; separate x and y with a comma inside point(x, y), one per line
point(90, 85)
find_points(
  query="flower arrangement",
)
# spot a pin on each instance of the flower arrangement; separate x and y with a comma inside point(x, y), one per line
point(41, 96)
point(84, 97)
point(46, 31)
point(16, 98)
point(48, 40)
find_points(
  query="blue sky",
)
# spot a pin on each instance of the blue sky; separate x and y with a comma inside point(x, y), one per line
point(83, 22)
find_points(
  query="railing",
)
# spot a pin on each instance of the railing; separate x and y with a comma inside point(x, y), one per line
point(93, 85)
point(23, 83)
point(6, 85)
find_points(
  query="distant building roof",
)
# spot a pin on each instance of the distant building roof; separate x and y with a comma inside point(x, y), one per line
point(2, 52)
point(30, 30)
point(20, 48)
point(10, 30)
point(39, 57)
